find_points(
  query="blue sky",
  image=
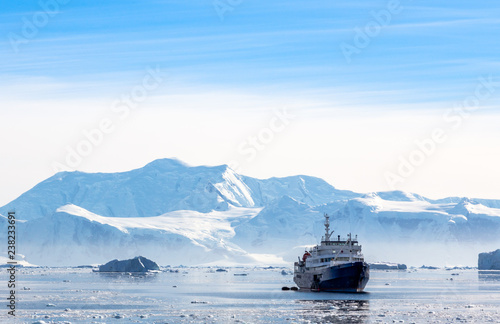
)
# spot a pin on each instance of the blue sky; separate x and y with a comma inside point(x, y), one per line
point(429, 52)
point(225, 77)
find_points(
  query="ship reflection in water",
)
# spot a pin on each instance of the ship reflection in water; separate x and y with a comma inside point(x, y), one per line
point(334, 311)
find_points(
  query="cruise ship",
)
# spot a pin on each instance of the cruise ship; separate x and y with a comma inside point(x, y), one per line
point(336, 265)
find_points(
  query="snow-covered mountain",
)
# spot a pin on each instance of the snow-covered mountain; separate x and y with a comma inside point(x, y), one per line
point(177, 214)
point(74, 235)
point(166, 185)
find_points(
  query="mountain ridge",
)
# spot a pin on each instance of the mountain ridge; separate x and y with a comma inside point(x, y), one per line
point(165, 183)
point(183, 214)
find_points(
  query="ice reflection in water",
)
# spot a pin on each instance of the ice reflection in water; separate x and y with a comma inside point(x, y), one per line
point(334, 311)
point(489, 275)
point(489, 279)
point(127, 275)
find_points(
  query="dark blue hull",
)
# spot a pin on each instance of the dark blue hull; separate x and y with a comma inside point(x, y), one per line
point(349, 277)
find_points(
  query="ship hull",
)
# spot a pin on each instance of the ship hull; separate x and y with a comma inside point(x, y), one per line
point(347, 277)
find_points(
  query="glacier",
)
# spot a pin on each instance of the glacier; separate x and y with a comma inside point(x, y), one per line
point(175, 214)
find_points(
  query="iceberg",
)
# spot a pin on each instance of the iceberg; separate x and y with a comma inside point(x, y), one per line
point(489, 260)
point(137, 264)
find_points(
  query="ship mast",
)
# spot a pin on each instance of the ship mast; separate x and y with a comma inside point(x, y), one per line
point(327, 228)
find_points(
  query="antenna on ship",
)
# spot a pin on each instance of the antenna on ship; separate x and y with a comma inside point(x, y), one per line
point(327, 228)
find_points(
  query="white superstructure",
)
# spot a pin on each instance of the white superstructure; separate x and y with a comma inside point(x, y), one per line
point(334, 252)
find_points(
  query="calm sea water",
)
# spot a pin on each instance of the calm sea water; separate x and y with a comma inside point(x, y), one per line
point(200, 295)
